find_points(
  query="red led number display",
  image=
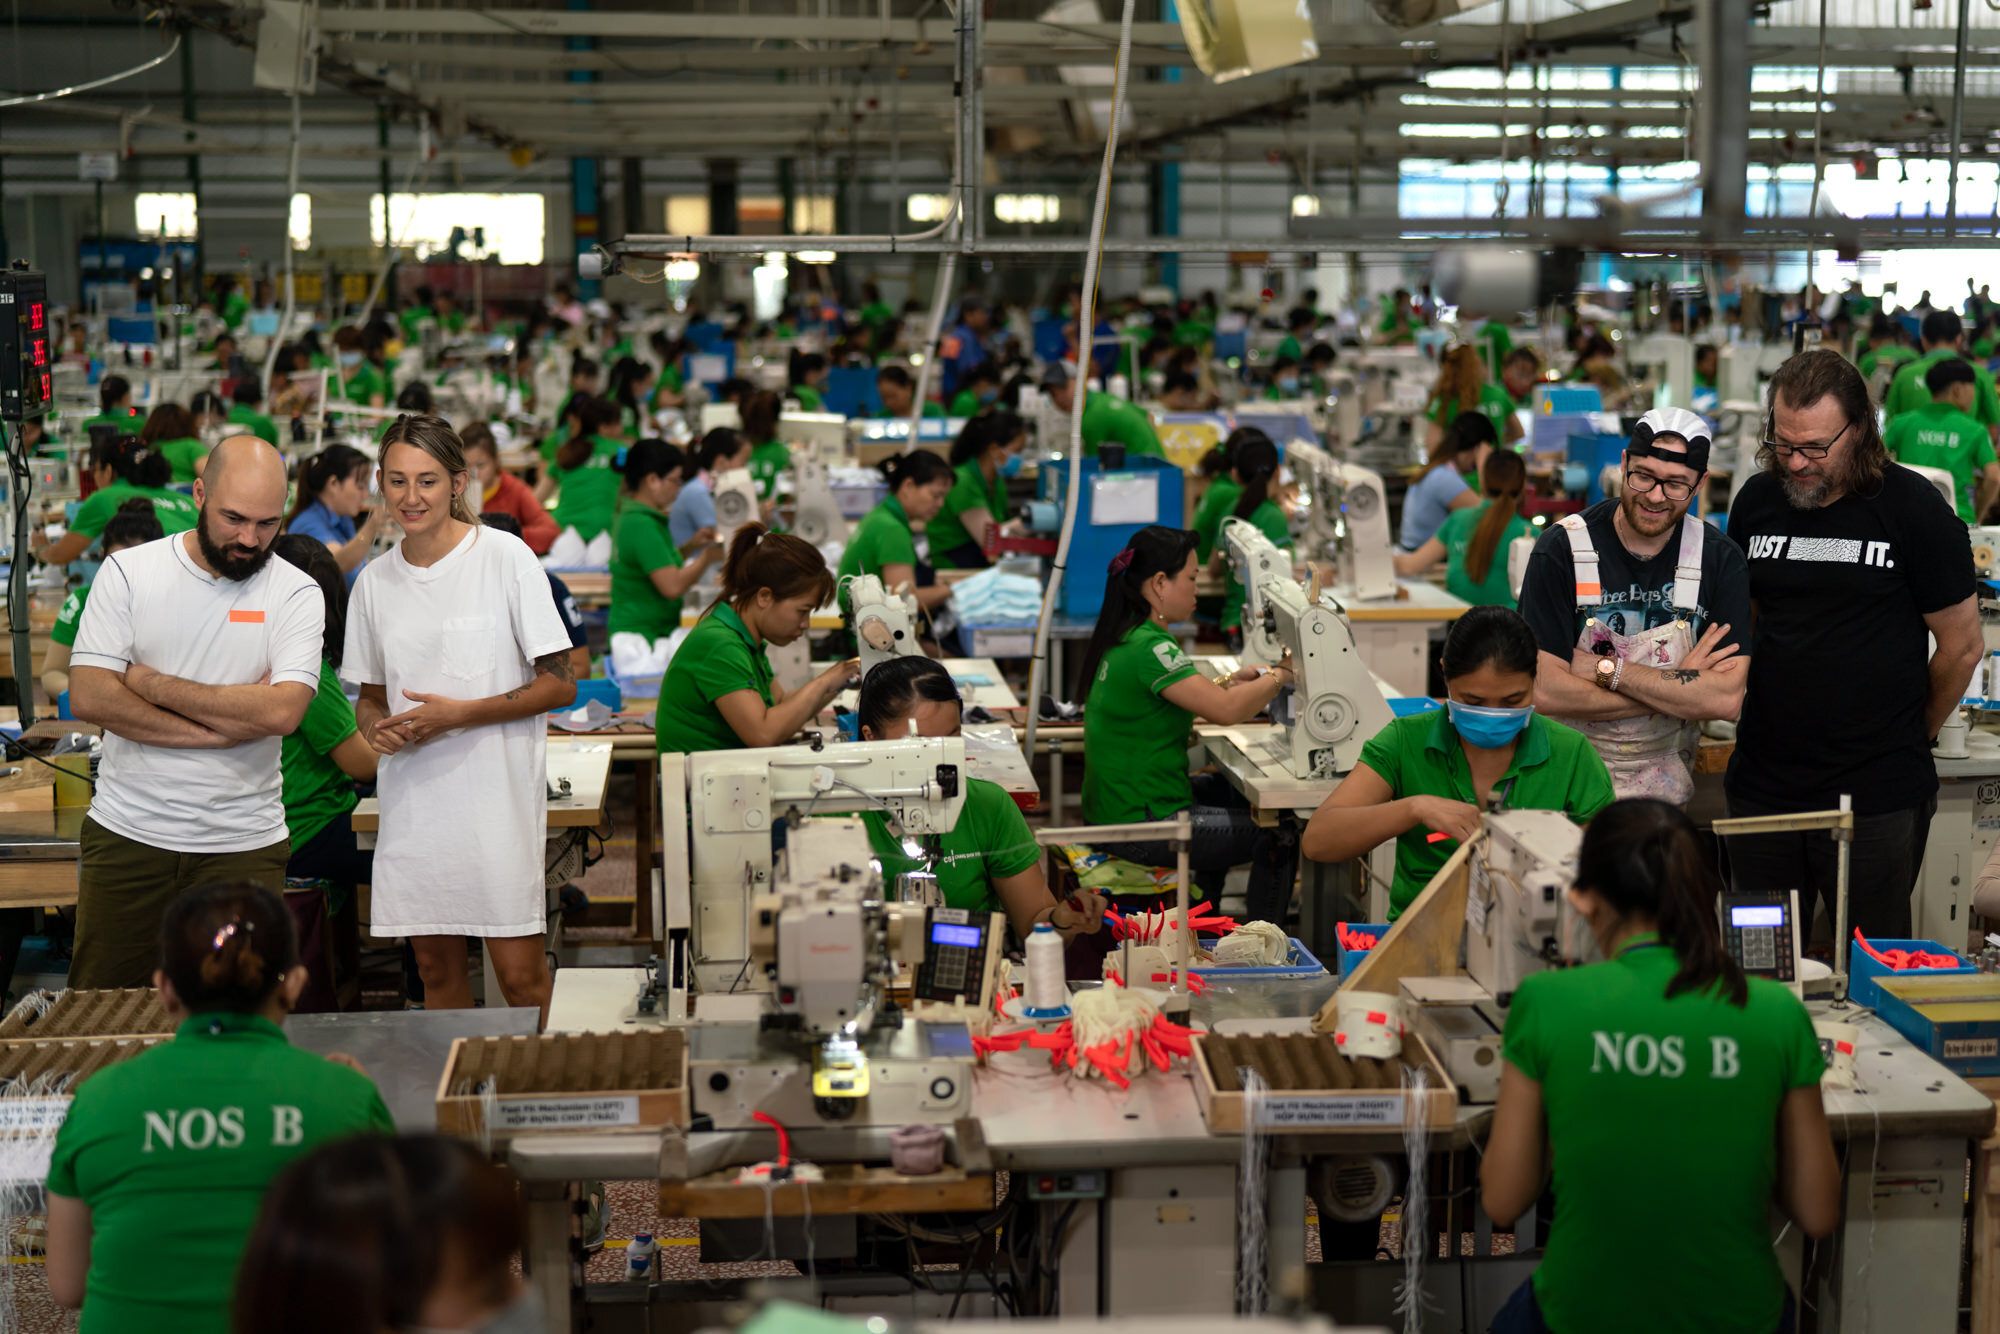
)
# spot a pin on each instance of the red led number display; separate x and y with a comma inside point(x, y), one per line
point(37, 313)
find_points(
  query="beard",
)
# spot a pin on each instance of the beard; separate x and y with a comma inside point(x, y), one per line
point(231, 562)
point(1649, 525)
point(1815, 492)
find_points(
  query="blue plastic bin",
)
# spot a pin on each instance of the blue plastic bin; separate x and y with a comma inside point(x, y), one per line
point(1346, 959)
point(633, 687)
point(1302, 963)
point(1863, 971)
point(596, 688)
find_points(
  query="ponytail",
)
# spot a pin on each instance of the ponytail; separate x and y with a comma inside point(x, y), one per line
point(1506, 475)
point(1644, 859)
point(1460, 376)
point(919, 467)
point(719, 444)
point(111, 391)
point(787, 565)
point(134, 463)
point(759, 415)
point(434, 436)
point(227, 946)
point(323, 470)
point(592, 415)
point(652, 457)
point(1256, 459)
point(1152, 550)
point(1467, 432)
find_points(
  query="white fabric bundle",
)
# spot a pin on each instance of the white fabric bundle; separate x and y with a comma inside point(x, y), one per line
point(1253, 945)
point(1112, 1014)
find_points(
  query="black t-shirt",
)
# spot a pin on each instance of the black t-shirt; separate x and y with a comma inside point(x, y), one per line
point(566, 608)
point(1840, 662)
point(1638, 594)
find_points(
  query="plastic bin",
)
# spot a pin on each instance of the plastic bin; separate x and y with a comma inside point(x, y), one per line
point(597, 688)
point(633, 687)
point(1346, 959)
point(1863, 971)
point(1302, 963)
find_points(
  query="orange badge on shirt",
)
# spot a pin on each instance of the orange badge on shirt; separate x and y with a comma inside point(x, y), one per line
point(246, 618)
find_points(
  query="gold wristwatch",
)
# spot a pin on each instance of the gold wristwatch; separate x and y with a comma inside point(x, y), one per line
point(1607, 672)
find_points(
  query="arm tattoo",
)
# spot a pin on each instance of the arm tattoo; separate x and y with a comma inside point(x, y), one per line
point(549, 664)
point(1682, 675)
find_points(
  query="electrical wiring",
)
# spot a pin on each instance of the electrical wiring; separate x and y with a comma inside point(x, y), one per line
point(24, 99)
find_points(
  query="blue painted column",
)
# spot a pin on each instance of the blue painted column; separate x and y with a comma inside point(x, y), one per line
point(585, 187)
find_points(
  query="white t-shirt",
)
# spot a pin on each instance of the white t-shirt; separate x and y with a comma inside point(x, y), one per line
point(464, 816)
point(155, 606)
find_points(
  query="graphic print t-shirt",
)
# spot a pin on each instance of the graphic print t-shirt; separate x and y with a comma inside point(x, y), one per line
point(1840, 663)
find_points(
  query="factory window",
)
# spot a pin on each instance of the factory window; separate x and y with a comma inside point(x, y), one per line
point(1027, 208)
point(301, 226)
point(687, 215)
point(927, 208)
point(169, 215)
point(1305, 206)
point(515, 224)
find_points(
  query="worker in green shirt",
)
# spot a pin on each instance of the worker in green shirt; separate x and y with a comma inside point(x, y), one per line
point(1707, 361)
point(171, 431)
point(770, 457)
point(1218, 502)
point(162, 1160)
point(1398, 325)
point(134, 524)
point(412, 316)
point(230, 302)
point(1192, 331)
point(988, 861)
point(720, 692)
point(808, 380)
point(874, 312)
point(1519, 375)
point(649, 573)
point(364, 371)
point(1665, 1031)
point(1983, 337)
point(1254, 465)
point(584, 477)
point(1145, 694)
point(1944, 336)
point(1462, 387)
point(1105, 418)
point(1474, 543)
point(247, 411)
point(1431, 773)
point(123, 469)
point(898, 392)
point(1942, 434)
point(986, 454)
point(978, 388)
point(449, 317)
point(1299, 326)
point(1886, 349)
point(1495, 344)
point(1286, 381)
point(885, 543)
point(114, 399)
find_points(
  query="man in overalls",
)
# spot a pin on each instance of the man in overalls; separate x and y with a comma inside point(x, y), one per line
point(1642, 612)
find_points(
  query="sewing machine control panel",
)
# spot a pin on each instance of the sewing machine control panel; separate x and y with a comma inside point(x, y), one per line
point(1761, 932)
point(961, 952)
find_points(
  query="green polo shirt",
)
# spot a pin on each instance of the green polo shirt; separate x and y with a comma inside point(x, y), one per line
point(1493, 401)
point(410, 317)
point(1909, 393)
point(1494, 344)
point(1217, 504)
point(1892, 355)
point(1270, 521)
point(1288, 346)
point(1194, 333)
point(1114, 419)
point(641, 544)
point(1135, 742)
point(931, 409)
point(965, 403)
point(184, 454)
point(317, 791)
point(71, 615)
point(1612, 1052)
point(1938, 435)
point(173, 1150)
point(1456, 535)
point(587, 495)
point(809, 398)
point(990, 842)
point(366, 381)
point(260, 426)
point(128, 422)
point(766, 462)
point(875, 314)
point(970, 492)
point(882, 538)
point(175, 510)
point(1554, 768)
point(717, 658)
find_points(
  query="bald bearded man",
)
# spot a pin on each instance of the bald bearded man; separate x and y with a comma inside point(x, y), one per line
point(195, 654)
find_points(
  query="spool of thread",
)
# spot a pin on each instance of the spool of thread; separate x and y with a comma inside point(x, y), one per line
point(1368, 1023)
point(1047, 997)
point(1837, 1042)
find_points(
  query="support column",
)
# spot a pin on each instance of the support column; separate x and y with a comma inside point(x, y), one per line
point(193, 159)
point(1724, 103)
point(382, 167)
point(722, 219)
point(586, 186)
point(1163, 200)
point(632, 186)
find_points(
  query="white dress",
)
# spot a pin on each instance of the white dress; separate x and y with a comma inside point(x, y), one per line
point(464, 816)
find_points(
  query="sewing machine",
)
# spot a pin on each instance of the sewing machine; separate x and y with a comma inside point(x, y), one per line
point(1335, 705)
point(1347, 514)
point(884, 623)
point(816, 512)
point(735, 495)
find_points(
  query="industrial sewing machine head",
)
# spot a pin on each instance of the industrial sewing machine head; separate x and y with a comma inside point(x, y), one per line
point(1257, 562)
point(1346, 513)
point(816, 512)
point(1518, 918)
point(735, 496)
point(884, 623)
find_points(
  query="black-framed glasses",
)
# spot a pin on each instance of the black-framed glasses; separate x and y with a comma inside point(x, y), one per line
point(1645, 482)
point(1814, 452)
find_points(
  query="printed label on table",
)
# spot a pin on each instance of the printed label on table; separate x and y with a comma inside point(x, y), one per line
point(32, 1114)
point(1385, 1110)
point(568, 1113)
point(1965, 1048)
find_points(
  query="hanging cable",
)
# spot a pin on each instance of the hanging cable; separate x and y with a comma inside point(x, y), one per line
point(1500, 191)
point(23, 99)
point(1819, 152)
point(292, 193)
point(1086, 336)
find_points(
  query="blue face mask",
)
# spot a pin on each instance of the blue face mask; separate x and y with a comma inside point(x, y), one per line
point(988, 395)
point(350, 358)
point(1288, 385)
point(1488, 729)
point(1010, 466)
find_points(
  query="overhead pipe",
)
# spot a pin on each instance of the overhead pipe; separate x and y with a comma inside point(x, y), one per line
point(1957, 117)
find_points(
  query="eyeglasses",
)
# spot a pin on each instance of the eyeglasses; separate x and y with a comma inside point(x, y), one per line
point(1814, 452)
point(1645, 482)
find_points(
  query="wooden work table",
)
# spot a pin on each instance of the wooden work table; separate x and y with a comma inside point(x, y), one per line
point(585, 763)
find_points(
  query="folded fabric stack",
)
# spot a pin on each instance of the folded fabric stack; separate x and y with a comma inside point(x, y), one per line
point(633, 655)
point(994, 597)
point(570, 552)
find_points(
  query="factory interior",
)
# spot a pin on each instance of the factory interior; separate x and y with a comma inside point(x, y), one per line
point(1005, 558)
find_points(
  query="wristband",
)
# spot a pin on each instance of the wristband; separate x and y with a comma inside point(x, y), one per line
point(1617, 675)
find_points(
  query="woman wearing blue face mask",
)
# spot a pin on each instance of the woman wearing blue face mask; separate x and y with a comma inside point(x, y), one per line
point(986, 453)
point(1423, 779)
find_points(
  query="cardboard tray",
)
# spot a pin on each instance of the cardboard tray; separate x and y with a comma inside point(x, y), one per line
point(128, 1012)
point(963, 1185)
point(71, 1060)
point(1315, 1110)
point(563, 1082)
